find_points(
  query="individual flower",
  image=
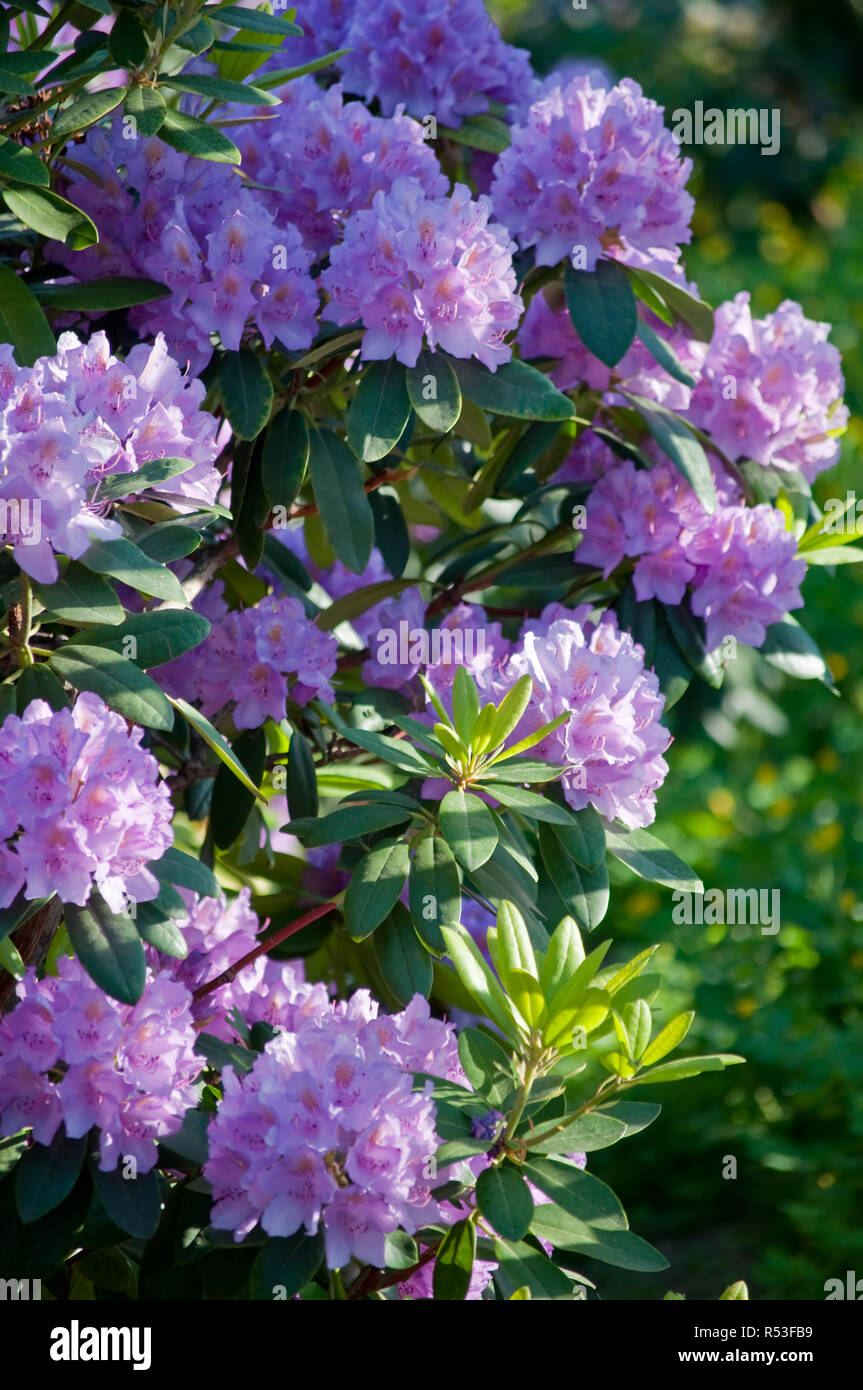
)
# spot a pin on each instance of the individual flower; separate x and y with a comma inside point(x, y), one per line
point(327, 1127)
point(414, 268)
point(129, 1069)
point(84, 806)
point(190, 224)
point(771, 389)
point(250, 656)
point(319, 158)
point(593, 167)
point(83, 415)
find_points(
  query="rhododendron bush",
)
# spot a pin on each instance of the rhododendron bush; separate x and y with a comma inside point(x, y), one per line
point(373, 483)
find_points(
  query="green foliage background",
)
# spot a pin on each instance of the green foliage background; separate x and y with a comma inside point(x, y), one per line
point(765, 786)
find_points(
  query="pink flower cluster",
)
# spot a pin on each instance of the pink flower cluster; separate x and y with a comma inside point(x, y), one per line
point(415, 266)
point(190, 224)
point(613, 742)
point(444, 57)
point(327, 1125)
point(595, 168)
point(741, 562)
point(771, 389)
point(321, 157)
point(248, 658)
point(81, 806)
point(80, 416)
point(127, 1069)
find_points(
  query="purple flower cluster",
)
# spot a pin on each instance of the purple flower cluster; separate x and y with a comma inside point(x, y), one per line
point(413, 266)
point(248, 657)
point(190, 224)
point(771, 389)
point(322, 158)
point(127, 1069)
point(327, 1124)
point(80, 416)
point(613, 742)
point(741, 562)
point(595, 168)
point(218, 934)
point(444, 58)
point(81, 806)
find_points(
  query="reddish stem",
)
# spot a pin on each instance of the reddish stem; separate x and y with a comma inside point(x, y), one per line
point(275, 940)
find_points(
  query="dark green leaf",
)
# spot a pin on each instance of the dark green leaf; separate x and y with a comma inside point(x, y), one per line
point(515, 389)
point(247, 392)
point(301, 780)
point(159, 931)
point(454, 1262)
point(342, 501)
point(678, 442)
point(402, 959)
point(526, 1267)
point(789, 647)
point(651, 859)
point(184, 871)
point(122, 685)
point(583, 892)
point(375, 886)
point(614, 1247)
point(148, 107)
point(109, 948)
point(594, 1131)
point(481, 132)
point(468, 828)
point(21, 164)
point(434, 891)
point(220, 89)
point(379, 411)
point(192, 136)
point(80, 597)
point(86, 109)
point(214, 740)
point(434, 392)
point(159, 637)
point(133, 1203)
point(259, 21)
point(99, 296)
point(127, 41)
point(47, 1174)
point(350, 823)
point(603, 309)
point(694, 313)
point(486, 1065)
point(39, 683)
point(122, 560)
point(664, 355)
point(150, 474)
point(285, 458)
point(576, 1192)
point(286, 1264)
point(391, 532)
point(22, 322)
point(232, 805)
point(504, 1199)
point(51, 216)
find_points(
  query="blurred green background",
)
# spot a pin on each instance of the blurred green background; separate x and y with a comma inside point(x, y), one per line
point(765, 784)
